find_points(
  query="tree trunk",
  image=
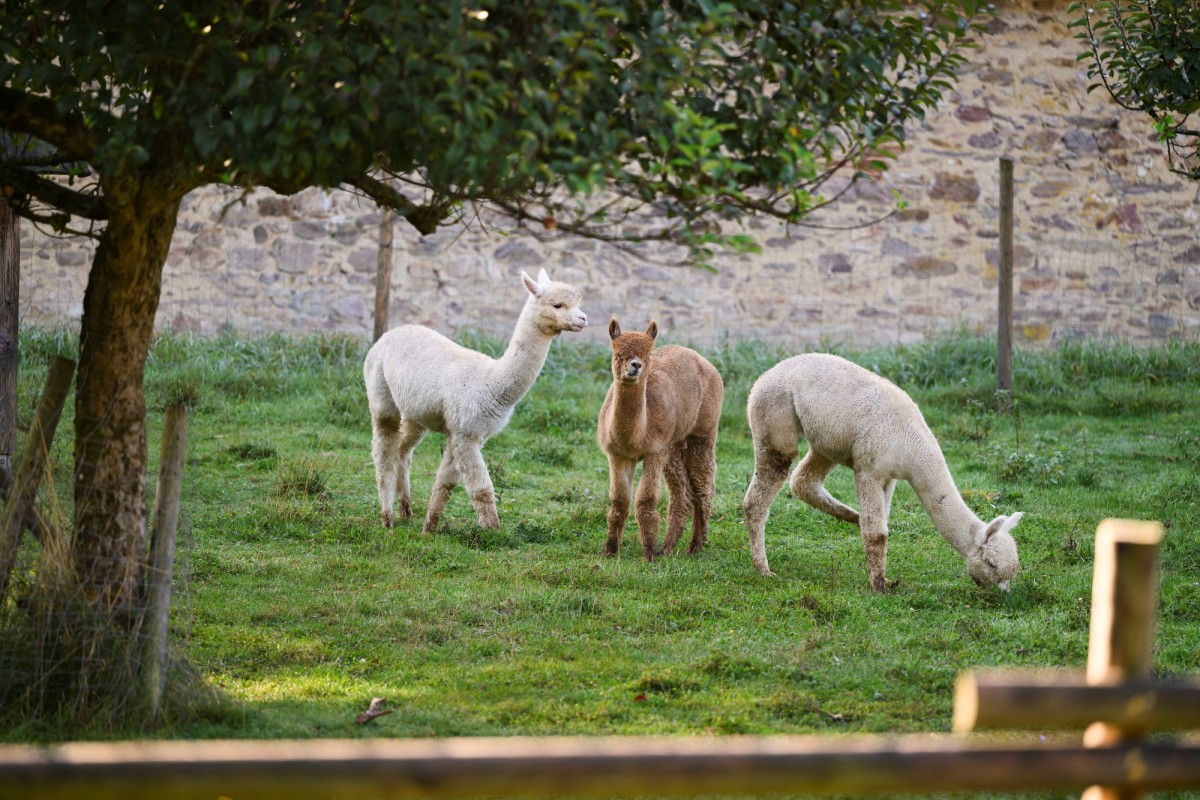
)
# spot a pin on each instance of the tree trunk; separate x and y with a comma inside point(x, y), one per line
point(110, 410)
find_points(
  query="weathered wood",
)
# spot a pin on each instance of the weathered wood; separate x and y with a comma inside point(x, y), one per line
point(984, 700)
point(1124, 598)
point(10, 299)
point(1004, 307)
point(162, 553)
point(383, 273)
point(19, 507)
point(573, 767)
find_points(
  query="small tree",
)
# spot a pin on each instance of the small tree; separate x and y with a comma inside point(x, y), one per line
point(568, 116)
point(1146, 55)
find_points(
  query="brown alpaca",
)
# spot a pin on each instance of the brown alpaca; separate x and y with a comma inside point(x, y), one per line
point(662, 409)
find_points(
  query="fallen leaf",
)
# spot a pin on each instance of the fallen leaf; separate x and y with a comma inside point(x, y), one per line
point(374, 710)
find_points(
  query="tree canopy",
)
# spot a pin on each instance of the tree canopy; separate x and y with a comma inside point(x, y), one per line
point(1146, 55)
point(567, 115)
point(699, 108)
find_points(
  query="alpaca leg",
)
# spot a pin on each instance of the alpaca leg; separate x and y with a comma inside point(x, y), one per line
point(872, 499)
point(468, 457)
point(385, 436)
point(620, 489)
point(410, 436)
point(646, 503)
point(770, 471)
point(443, 485)
point(679, 499)
point(888, 489)
point(702, 479)
point(808, 484)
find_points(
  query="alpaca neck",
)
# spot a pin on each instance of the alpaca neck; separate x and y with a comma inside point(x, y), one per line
point(628, 412)
point(518, 368)
point(952, 517)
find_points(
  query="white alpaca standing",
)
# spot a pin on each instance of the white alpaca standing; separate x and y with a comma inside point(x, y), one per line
point(418, 380)
point(851, 416)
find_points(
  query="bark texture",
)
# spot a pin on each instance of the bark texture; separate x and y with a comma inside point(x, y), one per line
point(110, 414)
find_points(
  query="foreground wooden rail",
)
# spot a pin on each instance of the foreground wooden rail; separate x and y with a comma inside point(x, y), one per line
point(575, 767)
point(1021, 700)
point(1115, 700)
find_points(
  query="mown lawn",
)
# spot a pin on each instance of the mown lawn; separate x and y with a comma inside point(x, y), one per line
point(298, 608)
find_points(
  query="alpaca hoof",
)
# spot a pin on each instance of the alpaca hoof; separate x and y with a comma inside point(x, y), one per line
point(609, 553)
point(695, 549)
point(491, 523)
point(430, 526)
point(883, 585)
point(387, 519)
point(766, 573)
point(406, 509)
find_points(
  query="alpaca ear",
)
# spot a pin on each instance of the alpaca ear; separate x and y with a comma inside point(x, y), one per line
point(614, 328)
point(1001, 524)
point(652, 330)
point(543, 278)
point(535, 287)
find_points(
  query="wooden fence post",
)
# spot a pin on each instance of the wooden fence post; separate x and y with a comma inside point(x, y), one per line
point(1004, 308)
point(1124, 598)
point(383, 273)
point(162, 552)
point(21, 498)
point(10, 298)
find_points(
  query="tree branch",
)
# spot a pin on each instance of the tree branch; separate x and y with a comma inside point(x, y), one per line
point(53, 194)
point(424, 217)
point(39, 116)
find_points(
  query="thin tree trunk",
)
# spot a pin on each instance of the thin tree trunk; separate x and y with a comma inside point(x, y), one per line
point(110, 410)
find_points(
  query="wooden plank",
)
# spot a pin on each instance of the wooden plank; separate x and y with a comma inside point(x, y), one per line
point(990, 700)
point(573, 767)
point(1124, 599)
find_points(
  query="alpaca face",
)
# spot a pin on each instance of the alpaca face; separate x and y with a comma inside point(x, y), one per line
point(994, 561)
point(631, 351)
point(557, 305)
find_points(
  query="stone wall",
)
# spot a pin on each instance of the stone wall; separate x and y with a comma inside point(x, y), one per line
point(1106, 240)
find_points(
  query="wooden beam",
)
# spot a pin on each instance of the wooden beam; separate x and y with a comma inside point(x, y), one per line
point(989, 700)
point(1124, 599)
point(574, 767)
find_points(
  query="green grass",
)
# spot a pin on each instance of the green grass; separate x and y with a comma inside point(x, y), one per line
point(296, 607)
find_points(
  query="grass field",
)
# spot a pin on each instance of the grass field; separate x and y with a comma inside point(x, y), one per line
point(296, 608)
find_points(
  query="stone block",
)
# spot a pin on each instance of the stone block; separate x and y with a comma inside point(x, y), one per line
point(955, 187)
point(294, 257)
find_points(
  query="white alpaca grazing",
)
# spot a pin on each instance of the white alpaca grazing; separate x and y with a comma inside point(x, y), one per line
point(418, 380)
point(851, 416)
